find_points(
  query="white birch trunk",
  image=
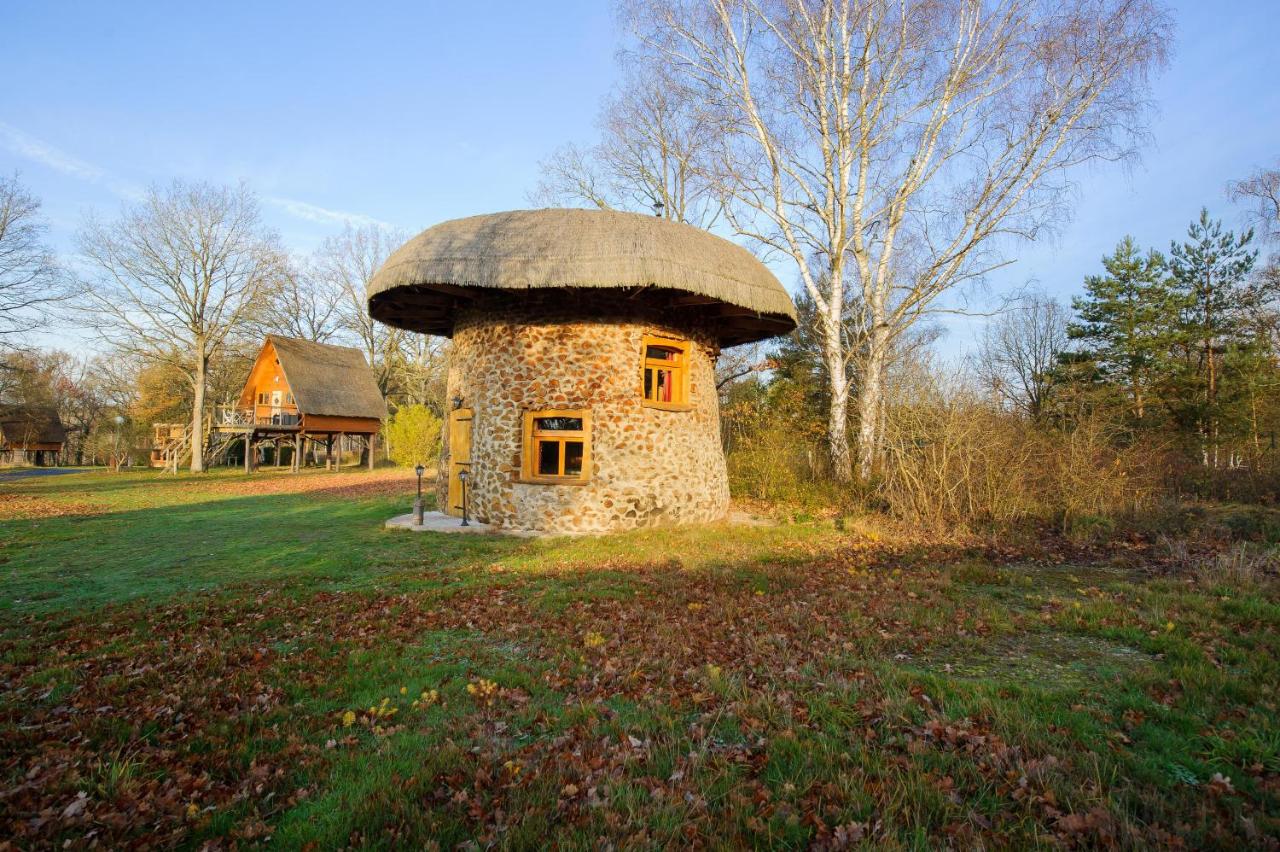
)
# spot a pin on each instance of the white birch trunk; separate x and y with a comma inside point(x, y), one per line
point(871, 400)
point(838, 413)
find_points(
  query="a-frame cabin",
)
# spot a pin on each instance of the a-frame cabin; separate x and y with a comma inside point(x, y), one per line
point(302, 396)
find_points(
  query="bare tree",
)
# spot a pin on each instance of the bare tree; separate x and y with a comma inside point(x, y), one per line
point(177, 276)
point(739, 363)
point(892, 146)
point(418, 371)
point(343, 265)
point(1018, 350)
point(305, 305)
point(651, 156)
point(1262, 189)
point(30, 279)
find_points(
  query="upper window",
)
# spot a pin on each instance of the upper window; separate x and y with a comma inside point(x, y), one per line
point(557, 447)
point(666, 372)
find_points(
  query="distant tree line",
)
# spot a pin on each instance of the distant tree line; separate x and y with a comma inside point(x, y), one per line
point(177, 291)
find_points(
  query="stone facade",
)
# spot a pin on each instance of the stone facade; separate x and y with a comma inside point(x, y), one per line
point(518, 352)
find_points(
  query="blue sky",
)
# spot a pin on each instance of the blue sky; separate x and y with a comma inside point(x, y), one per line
point(411, 113)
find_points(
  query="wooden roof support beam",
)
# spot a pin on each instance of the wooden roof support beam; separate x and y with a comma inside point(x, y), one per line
point(694, 300)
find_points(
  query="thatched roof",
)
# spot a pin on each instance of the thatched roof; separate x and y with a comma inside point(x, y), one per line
point(332, 381)
point(32, 425)
point(422, 284)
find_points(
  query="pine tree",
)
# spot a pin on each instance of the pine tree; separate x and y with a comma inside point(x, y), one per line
point(1211, 277)
point(1128, 319)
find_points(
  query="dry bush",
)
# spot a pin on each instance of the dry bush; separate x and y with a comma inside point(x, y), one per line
point(953, 459)
point(1243, 566)
point(948, 464)
point(777, 455)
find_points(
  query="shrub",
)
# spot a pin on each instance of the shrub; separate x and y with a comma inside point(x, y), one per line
point(413, 436)
point(958, 461)
point(777, 455)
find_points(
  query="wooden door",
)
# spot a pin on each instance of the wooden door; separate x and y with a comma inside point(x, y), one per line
point(459, 457)
point(277, 400)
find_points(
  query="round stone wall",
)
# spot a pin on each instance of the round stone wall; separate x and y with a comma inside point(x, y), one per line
point(648, 466)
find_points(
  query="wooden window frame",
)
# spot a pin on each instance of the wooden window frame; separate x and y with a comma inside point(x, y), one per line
point(533, 438)
point(679, 369)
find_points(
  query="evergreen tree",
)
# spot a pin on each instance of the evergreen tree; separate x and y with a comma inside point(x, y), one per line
point(1210, 273)
point(1128, 320)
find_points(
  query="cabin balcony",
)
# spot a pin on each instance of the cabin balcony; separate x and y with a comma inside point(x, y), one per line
point(259, 417)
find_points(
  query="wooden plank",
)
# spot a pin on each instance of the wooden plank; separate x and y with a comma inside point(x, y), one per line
point(354, 425)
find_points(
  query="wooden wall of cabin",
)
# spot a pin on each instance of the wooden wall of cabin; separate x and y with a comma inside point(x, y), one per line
point(265, 377)
point(316, 423)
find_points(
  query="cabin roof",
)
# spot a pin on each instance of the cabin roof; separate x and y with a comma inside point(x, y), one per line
point(423, 282)
point(332, 381)
point(32, 424)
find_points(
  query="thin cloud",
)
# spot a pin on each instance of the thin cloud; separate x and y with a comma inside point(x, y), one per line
point(29, 147)
point(322, 215)
point(37, 150)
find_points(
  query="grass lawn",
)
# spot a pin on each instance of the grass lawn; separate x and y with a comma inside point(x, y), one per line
point(226, 660)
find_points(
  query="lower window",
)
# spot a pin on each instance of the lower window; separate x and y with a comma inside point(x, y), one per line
point(557, 446)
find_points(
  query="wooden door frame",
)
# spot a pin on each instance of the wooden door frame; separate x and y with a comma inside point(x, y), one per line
point(453, 489)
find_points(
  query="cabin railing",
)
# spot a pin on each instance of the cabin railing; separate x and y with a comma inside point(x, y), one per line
point(233, 415)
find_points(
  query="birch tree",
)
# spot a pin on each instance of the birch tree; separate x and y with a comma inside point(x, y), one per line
point(896, 148)
point(176, 277)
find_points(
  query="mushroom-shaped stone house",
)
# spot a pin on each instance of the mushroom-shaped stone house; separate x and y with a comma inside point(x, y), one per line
point(581, 384)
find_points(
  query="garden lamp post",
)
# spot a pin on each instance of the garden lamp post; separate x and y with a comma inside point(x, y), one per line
point(417, 504)
point(115, 447)
point(462, 477)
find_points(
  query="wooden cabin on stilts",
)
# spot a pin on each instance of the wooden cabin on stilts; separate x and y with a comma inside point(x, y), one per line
point(303, 403)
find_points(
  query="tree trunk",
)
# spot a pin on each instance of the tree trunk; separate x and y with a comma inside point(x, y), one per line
point(838, 415)
point(197, 415)
point(1211, 392)
point(871, 400)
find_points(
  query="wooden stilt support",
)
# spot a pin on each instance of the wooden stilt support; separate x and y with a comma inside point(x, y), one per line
point(328, 452)
point(297, 452)
point(248, 448)
point(369, 440)
point(341, 437)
